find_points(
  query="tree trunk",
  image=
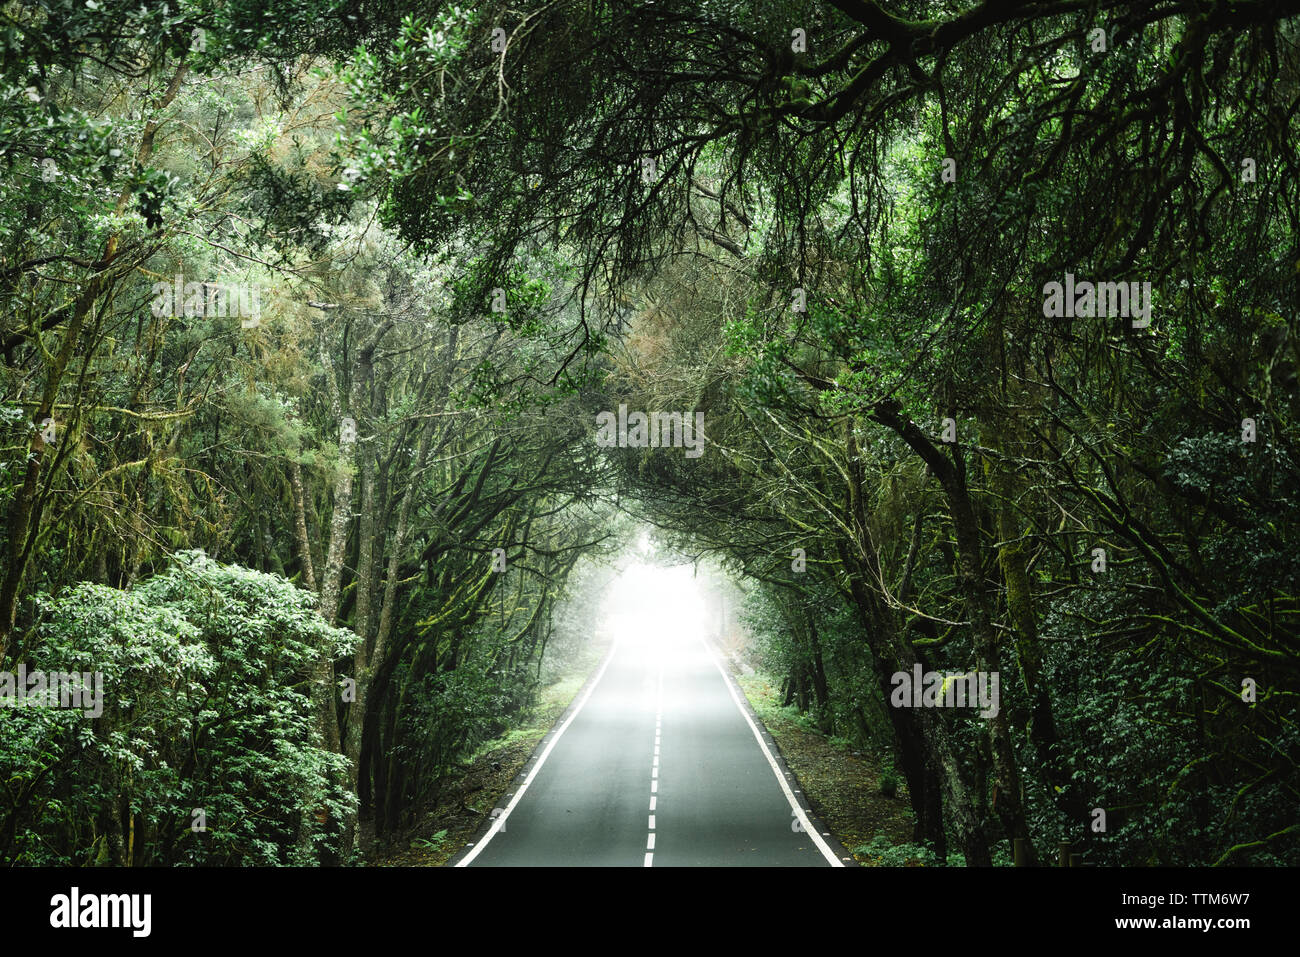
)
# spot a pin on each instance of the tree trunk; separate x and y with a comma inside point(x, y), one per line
point(892, 653)
point(301, 542)
point(952, 477)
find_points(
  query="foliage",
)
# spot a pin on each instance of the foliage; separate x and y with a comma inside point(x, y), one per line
point(201, 669)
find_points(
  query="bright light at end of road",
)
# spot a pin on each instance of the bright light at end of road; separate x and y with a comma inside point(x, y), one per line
point(660, 609)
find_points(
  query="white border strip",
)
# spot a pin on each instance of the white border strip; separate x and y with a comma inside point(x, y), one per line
point(776, 769)
point(500, 819)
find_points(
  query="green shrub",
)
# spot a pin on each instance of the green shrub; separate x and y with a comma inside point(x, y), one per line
point(889, 781)
point(204, 671)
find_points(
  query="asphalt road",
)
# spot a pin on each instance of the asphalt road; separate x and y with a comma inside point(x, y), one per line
point(657, 767)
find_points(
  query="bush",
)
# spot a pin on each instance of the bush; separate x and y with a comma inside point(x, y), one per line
point(203, 708)
point(889, 781)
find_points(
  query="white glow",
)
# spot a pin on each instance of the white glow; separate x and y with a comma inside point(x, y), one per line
point(661, 611)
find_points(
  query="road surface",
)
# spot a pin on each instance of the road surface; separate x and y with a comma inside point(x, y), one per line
point(658, 766)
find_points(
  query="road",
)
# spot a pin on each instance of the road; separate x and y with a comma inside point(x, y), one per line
point(658, 766)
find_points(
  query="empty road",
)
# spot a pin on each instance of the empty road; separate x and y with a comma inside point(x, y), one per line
point(657, 767)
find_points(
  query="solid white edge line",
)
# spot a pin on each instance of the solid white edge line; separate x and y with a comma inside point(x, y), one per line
point(501, 818)
point(776, 768)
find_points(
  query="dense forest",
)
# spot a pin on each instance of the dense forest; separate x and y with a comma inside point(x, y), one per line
point(321, 321)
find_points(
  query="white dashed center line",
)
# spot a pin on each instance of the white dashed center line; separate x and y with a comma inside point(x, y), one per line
point(654, 769)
